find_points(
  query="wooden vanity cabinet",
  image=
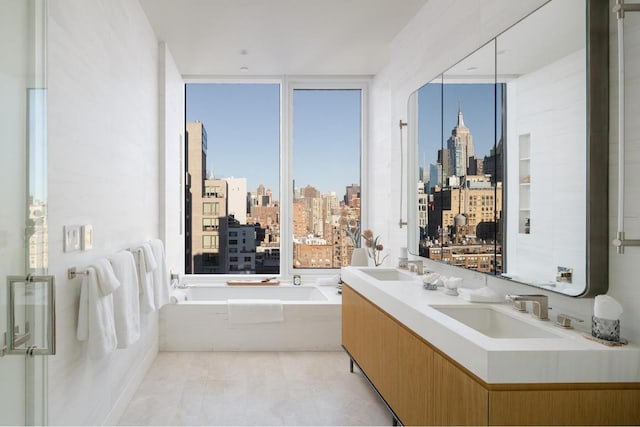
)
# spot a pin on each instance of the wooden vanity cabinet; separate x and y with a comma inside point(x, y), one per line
point(425, 387)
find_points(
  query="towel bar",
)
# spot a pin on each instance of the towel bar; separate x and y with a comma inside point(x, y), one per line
point(72, 273)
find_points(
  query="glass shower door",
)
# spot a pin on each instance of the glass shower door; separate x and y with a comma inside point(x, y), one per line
point(23, 209)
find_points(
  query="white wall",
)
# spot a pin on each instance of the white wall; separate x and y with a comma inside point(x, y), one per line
point(624, 269)
point(171, 160)
point(104, 170)
point(443, 32)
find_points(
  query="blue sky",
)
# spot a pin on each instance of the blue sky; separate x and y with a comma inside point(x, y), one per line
point(243, 128)
point(473, 100)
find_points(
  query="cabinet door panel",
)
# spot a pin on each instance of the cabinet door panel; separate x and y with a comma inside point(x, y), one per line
point(565, 407)
point(371, 336)
point(415, 380)
point(460, 400)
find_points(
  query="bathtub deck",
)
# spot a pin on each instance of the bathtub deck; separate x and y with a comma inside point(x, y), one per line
point(254, 388)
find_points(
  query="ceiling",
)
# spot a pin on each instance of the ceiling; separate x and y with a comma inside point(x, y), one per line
point(279, 37)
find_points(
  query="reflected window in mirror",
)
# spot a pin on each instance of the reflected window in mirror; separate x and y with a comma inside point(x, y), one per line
point(460, 165)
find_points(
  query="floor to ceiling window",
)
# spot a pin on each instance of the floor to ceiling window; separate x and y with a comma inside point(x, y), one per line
point(257, 189)
point(233, 163)
point(327, 134)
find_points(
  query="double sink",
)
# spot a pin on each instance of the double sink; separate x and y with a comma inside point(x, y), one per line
point(491, 321)
point(492, 340)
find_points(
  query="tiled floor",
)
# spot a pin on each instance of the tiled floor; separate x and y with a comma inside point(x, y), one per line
point(254, 388)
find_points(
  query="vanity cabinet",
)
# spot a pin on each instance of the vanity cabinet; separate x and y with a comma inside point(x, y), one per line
point(425, 387)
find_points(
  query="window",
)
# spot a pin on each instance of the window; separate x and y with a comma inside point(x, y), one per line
point(327, 134)
point(210, 208)
point(209, 224)
point(209, 242)
point(245, 177)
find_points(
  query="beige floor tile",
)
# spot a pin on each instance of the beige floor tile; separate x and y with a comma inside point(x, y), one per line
point(254, 388)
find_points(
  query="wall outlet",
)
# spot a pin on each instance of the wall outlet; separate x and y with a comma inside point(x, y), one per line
point(71, 238)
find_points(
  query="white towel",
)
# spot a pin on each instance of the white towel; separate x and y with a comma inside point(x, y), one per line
point(95, 318)
point(178, 295)
point(149, 259)
point(255, 310)
point(126, 302)
point(107, 281)
point(161, 285)
point(483, 294)
point(145, 280)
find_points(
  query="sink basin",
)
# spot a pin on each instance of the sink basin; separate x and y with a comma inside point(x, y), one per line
point(388, 274)
point(493, 323)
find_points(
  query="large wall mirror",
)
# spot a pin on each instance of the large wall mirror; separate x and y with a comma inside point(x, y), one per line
point(508, 154)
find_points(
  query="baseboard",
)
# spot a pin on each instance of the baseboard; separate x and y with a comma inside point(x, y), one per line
point(130, 389)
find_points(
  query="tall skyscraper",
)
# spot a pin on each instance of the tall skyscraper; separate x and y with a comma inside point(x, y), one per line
point(460, 146)
point(207, 206)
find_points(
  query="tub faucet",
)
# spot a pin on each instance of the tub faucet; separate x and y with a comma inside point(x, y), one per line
point(419, 266)
point(540, 304)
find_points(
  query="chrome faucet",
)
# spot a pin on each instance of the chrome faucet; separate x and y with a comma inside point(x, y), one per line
point(419, 266)
point(540, 304)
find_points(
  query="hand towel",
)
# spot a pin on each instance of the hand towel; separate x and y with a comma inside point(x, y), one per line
point(254, 311)
point(149, 258)
point(95, 318)
point(126, 302)
point(161, 284)
point(107, 281)
point(145, 281)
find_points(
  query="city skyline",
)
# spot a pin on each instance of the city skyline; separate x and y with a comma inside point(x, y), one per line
point(438, 108)
point(326, 122)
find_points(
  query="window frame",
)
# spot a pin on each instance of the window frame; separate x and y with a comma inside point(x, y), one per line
point(288, 85)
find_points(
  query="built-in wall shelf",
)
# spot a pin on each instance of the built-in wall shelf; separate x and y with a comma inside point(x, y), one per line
point(524, 180)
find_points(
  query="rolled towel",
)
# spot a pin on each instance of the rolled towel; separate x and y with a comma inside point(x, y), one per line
point(178, 295)
point(483, 294)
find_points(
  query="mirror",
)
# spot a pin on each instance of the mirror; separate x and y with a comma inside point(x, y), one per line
point(505, 145)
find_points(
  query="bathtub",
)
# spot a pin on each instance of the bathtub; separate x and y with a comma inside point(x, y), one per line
point(312, 320)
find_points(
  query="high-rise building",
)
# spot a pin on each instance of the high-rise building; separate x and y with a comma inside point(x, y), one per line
point(207, 207)
point(238, 249)
point(460, 146)
point(352, 193)
point(237, 198)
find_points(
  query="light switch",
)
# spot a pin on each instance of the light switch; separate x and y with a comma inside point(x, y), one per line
point(71, 238)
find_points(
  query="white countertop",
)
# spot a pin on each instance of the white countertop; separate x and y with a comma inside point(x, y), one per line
point(568, 358)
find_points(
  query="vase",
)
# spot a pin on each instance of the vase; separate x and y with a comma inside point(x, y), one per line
point(359, 258)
